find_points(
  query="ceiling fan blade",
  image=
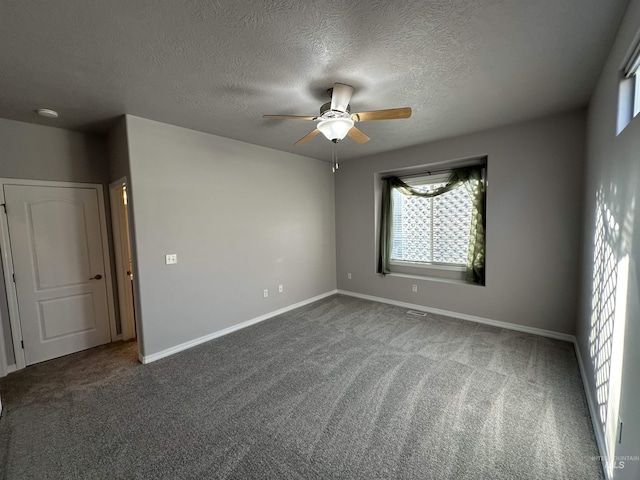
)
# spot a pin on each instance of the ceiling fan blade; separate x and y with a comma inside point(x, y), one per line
point(307, 137)
point(340, 97)
point(293, 117)
point(391, 114)
point(358, 135)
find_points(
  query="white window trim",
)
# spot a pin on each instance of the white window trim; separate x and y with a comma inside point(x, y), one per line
point(636, 94)
point(426, 179)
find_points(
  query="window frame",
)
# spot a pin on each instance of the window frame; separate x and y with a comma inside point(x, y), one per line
point(636, 93)
point(629, 90)
point(408, 267)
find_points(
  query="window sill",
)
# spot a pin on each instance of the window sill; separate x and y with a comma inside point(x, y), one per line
point(432, 279)
point(441, 272)
point(428, 266)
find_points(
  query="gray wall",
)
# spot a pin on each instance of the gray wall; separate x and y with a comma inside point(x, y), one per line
point(613, 167)
point(36, 152)
point(241, 218)
point(118, 148)
point(534, 201)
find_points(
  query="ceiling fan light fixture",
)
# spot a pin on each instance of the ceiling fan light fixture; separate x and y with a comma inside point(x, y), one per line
point(335, 129)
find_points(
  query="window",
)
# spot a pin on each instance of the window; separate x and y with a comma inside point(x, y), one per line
point(431, 231)
point(629, 91)
point(434, 224)
point(632, 71)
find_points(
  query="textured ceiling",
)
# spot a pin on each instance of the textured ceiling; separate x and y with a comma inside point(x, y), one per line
point(218, 65)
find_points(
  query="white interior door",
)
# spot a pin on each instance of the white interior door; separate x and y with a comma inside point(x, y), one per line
point(57, 250)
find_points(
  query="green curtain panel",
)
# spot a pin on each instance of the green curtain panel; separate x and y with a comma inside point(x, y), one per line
point(473, 180)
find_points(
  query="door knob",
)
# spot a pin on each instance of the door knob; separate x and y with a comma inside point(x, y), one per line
point(97, 277)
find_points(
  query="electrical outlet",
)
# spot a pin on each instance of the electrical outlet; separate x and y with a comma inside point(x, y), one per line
point(349, 275)
point(280, 288)
point(170, 259)
point(414, 288)
point(265, 293)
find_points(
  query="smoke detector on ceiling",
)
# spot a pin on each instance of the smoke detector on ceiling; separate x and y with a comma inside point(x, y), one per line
point(45, 112)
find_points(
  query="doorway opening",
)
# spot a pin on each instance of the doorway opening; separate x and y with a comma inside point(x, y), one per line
point(122, 248)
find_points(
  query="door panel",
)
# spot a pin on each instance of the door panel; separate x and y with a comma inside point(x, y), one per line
point(66, 315)
point(69, 244)
point(57, 251)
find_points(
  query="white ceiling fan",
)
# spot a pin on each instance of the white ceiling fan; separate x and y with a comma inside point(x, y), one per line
point(336, 120)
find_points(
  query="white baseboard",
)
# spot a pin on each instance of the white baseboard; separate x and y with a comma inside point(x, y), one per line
point(593, 411)
point(463, 316)
point(7, 370)
point(197, 341)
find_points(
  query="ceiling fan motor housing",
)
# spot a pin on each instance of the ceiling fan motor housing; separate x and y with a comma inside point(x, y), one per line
point(326, 112)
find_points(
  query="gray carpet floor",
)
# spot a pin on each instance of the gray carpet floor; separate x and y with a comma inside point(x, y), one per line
point(341, 388)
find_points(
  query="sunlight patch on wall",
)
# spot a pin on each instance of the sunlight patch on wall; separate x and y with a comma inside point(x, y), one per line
point(603, 301)
point(617, 354)
point(608, 317)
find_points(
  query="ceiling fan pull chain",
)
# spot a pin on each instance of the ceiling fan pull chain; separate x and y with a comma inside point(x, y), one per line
point(334, 158)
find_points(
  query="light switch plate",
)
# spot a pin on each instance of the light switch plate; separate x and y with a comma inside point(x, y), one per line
point(171, 258)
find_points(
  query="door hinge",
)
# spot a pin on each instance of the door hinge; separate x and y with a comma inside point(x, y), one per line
point(22, 344)
point(14, 278)
point(4, 205)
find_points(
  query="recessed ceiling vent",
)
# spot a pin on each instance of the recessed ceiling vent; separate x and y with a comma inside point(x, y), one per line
point(417, 313)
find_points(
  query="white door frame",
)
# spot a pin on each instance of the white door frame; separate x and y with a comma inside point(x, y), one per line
point(120, 244)
point(4, 368)
point(7, 262)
